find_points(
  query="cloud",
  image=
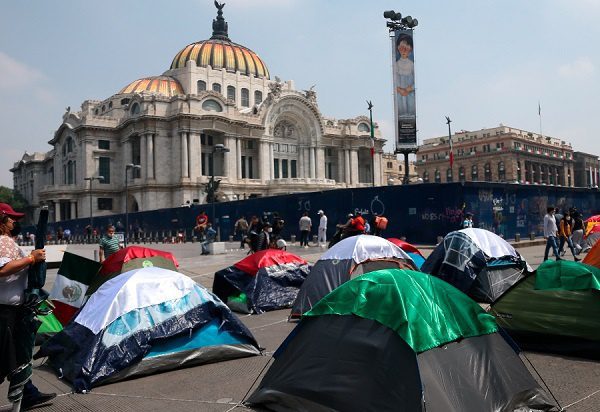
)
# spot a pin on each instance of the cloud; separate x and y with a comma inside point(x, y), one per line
point(16, 75)
point(580, 68)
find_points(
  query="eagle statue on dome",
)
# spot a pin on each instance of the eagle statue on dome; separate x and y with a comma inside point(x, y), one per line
point(311, 94)
point(219, 6)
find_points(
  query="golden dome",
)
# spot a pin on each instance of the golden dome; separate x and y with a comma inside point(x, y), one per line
point(164, 85)
point(220, 53)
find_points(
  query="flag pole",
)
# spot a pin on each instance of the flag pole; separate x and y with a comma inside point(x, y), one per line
point(540, 115)
point(448, 121)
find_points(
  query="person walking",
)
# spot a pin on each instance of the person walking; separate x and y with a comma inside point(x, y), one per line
point(577, 236)
point(322, 238)
point(305, 225)
point(550, 232)
point(564, 232)
point(468, 222)
point(108, 243)
point(18, 323)
point(241, 228)
point(263, 241)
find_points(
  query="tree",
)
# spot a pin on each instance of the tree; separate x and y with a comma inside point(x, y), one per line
point(13, 198)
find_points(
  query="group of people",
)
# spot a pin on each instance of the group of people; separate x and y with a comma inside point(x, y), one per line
point(260, 234)
point(561, 229)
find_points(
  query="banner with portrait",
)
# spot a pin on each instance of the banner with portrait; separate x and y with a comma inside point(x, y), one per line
point(404, 89)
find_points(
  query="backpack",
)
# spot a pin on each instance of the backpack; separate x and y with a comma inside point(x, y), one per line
point(381, 222)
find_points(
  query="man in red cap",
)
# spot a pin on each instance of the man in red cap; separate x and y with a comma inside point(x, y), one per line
point(18, 324)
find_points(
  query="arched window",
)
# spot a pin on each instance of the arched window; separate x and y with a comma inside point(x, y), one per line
point(474, 173)
point(231, 93)
point(487, 170)
point(135, 109)
point(245, 98)
point(201, 84)
point(257, 97)
point(69, 145)
point(211, 106)
point(501, 172)
point(426, 177)
point(518, 171)
point(216, 87)
point(363, 127)
point(449, 175)
point(461, 174)
point(438, 176)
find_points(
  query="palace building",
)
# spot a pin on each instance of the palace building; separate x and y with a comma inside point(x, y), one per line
point(215, 111)
point(499, 154)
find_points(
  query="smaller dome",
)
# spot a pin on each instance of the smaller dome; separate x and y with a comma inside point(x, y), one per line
point(164, 85)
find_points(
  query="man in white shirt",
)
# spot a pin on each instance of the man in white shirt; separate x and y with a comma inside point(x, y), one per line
point(322, 229)
point(550, 233)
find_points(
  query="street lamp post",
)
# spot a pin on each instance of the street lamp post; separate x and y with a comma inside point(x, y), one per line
point(397, 22)
point(91, 179)
point(370, 108)
point(127, 167)
point(218, 148)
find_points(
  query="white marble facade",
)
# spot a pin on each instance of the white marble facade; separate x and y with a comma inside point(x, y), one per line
point(277, 139)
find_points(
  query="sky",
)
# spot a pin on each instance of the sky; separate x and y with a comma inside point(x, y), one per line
point(480, 62)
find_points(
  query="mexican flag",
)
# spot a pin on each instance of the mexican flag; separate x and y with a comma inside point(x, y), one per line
point(72, 281)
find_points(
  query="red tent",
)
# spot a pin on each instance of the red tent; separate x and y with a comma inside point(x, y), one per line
point(265, 258)
point(114, 263)
point(405, 246)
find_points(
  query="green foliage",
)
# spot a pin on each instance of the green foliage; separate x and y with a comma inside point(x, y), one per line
point(13, 198)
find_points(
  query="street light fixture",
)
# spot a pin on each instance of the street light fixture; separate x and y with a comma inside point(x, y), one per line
point(370, 108)
point(91, 179)
point(127, 167)
point(218, 148)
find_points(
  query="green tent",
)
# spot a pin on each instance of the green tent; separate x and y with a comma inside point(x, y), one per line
point(398, 340)
point(556, 309)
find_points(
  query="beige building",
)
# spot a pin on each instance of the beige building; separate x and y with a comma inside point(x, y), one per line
point(587, 169)
point(215, 110)
point(499, 154)
point(393, 169)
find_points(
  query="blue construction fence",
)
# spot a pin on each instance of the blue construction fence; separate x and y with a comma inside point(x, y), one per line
point(420, 212)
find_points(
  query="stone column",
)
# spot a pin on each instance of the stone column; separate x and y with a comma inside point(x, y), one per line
point(195, 161)
point(320, 163)
point(347, 166)
point(354, 167)
point(301, 157)
point(340, 166)
point(232, 158)
point(184, 155)
point(150, 156)
point(238, 150)
point(377, 170)
point(57, 216)
point(127, 156)
point(263, 161)
point(311, 165)
point(271, 163)
point(143, 158)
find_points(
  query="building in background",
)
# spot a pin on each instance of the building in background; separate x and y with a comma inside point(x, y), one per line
point(500, 154)
point(216, 92)
point(587, 169)
point(393, 170)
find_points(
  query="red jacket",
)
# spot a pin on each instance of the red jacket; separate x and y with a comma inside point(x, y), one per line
point(358, 224)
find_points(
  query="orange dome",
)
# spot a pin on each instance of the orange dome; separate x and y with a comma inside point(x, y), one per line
point(218, 54)
point(165, 85)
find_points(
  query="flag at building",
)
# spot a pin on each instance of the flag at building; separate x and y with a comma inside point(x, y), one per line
point(72, 281)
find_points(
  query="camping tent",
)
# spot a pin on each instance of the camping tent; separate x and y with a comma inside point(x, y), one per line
point(557, 309)
point(268, 279)
point(592, 231)
point(159, 318)
point(478, 262)
point(395, 340)
point(412, 251)
point(593, 256)
point(345, 260)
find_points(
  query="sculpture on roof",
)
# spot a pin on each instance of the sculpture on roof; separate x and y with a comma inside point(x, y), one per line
point(310, 94)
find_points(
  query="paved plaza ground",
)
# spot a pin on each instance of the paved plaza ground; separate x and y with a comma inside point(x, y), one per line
point(223, 386)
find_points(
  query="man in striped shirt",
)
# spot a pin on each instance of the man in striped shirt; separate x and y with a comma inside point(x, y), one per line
point(109, 243)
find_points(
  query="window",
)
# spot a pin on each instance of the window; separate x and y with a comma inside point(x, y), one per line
point(105, 203)
point(426, 177)
point(201, 84)
point(363, 127)
point(519, 171)
point(211, 105)
point(231, 93)
point(206, 139)
point(449, 175)
point(257, 97)
point(487, 170)
point(68, 148)
point(248, 144)
point(276, 168)
point(216, 87)
point(124, 102)
point(104, 144)
point(389, 165)
point(474, 173)
point(110, 105)
point(284, 168)
point(438, 176)
point(136, 157)
point(104, 169)
point(135, 109)
point(461, 174)
point(293, 169)
point(245, 98)
point(501, 172)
